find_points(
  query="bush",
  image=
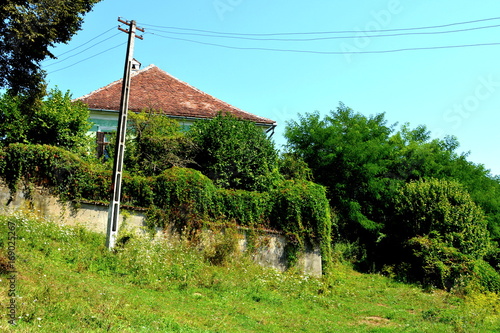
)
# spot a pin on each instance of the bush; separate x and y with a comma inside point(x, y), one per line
point(234, 153)
point(184, 195)
point(156, 143)
point(51, 167)
point(487, 276)
point(445, 209)
point(246, 208)
point(56, 121)
point(301, 209)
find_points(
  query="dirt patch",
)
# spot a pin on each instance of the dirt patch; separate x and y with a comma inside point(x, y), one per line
point(375, 321)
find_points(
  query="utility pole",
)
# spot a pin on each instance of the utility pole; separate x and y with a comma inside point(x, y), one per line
point(114, 203)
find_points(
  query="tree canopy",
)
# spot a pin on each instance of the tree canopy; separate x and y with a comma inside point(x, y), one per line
point(28, 29)
point(234, 153)
point(55, 121)
point(388, 184)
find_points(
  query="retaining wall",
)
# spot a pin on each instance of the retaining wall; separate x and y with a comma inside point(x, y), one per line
point(270, 250)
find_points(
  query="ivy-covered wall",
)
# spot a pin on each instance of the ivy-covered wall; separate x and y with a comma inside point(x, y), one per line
point(180, 196)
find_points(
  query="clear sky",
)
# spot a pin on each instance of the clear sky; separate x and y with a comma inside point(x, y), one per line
point(453, 91)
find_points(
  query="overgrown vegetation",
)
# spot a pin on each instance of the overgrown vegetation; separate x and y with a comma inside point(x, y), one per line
point(55, 121)
point(234, 153)
point(180, 196)
point(395, 201)
point(67, 281)
point(408, 205)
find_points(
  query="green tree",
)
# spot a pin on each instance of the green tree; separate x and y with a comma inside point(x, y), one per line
point(28, 29)
point(349, 154)
point(441, 208)
point(234, 153)
point(156, 143)
point(438, 231)
point(56, 121)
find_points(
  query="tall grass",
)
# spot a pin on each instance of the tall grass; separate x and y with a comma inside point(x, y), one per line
point(67, 281)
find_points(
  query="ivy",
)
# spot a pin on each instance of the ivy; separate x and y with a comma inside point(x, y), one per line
point(182, 197)
point(300, 208)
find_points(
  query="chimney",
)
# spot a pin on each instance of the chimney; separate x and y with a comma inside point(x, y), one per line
point(136, 65)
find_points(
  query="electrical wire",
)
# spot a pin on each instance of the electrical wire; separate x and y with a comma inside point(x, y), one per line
point(326, 52)
point(88, 58)
point(366, 34)
point(73, 49)
point(320, 32)
point(258, 37)
point(88, 48)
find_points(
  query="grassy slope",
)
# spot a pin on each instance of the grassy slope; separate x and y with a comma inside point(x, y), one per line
point(68, 282)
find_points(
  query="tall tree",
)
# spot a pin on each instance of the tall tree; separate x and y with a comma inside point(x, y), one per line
point(28, 28)
point(349, 154)
point(234, 153)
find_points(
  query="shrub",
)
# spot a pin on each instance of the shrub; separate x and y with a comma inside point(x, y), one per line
point(246, 208)
point(51, 167)
point(234, 153)
point(185, 195)
point(56, 121)
point(301, 209)
point(444, 208)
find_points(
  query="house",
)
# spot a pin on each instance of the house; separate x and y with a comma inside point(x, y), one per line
point(152, 88)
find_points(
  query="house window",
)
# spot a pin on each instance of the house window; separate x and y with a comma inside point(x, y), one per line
point(102, 142)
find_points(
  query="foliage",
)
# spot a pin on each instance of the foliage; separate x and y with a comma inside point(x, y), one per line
point(442, 208)
point(246, 208)
point(28, 30)
point(235, 153)
point(184, 195)
point(301, 210)
point(438, 235)
point(156, 144)
point(363, 162)
point(349, 154)
point(292, 166)
point(181, 197)
point(48, 166)
point(56, 121)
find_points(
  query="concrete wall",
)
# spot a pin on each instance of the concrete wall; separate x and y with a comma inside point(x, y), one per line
point(269, 247)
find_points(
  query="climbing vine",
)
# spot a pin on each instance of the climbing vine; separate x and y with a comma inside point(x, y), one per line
point(182, 197)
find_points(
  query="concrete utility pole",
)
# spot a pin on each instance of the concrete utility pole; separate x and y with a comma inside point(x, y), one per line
point(114, 204)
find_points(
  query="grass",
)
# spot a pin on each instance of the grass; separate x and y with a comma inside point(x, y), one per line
point(67, 281)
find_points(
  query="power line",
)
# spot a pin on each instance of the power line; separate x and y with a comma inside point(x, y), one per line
point(366, 34)
point(88, 48)
point(73, 49)
point(326, 52)
point(320, 32)
point(88, 58)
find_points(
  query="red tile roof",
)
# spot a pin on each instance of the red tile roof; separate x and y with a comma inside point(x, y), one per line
point(154, 89)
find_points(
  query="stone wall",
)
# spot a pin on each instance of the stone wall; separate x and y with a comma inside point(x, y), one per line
point(269, 252)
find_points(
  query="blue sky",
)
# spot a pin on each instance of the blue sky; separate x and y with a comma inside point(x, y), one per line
point(453, 91)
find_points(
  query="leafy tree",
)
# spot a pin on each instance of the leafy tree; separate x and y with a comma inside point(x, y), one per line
point(416, 156)
point(234, 153)
point(443, 209)
point(363, 163)
point(56, 121)
point(349, 154)
point(28, 29)
point(438, 231)
point(156, 144)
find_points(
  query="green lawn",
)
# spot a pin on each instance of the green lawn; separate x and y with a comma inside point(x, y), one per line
point(67, 281)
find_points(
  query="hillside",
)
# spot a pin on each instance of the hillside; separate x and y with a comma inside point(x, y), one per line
point(67, 281)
